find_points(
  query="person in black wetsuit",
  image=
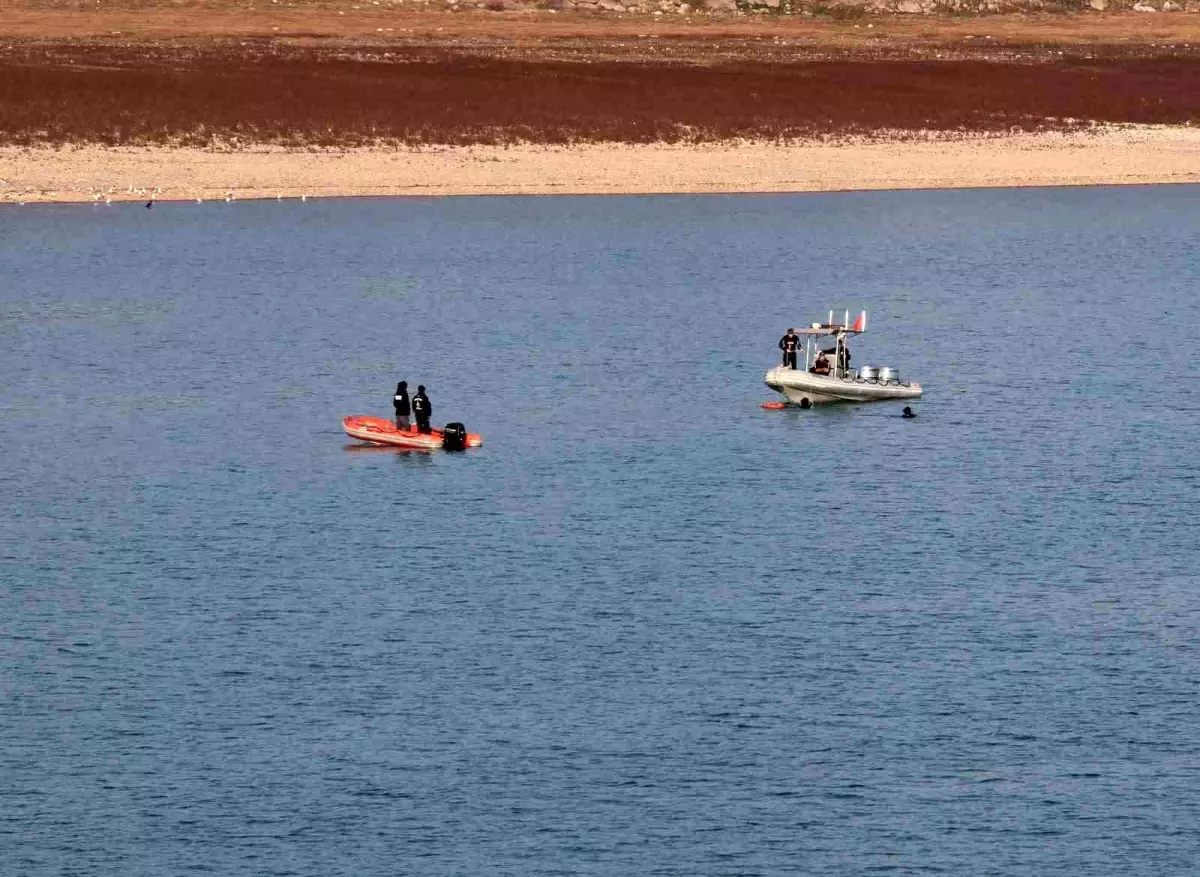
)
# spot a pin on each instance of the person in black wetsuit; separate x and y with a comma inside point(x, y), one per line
point(842, 353)
point(908, 413)
point(400, 402)
point(422, 410)
point(788, 344)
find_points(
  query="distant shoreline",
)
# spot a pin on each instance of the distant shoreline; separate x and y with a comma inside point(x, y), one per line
point(333, 98)
point(1124, 155)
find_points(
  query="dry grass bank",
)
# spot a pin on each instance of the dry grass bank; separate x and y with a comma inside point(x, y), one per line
point(374, 87)
point(264, 92)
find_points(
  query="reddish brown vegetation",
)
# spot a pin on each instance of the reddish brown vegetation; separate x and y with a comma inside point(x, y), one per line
point(297, 95)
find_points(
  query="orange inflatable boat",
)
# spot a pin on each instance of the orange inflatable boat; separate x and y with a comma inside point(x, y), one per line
point(377, 430)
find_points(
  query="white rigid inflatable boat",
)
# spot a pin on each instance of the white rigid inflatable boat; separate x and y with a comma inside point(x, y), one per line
point(826, 375)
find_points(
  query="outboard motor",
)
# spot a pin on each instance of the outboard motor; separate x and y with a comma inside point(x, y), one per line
point(454, 437)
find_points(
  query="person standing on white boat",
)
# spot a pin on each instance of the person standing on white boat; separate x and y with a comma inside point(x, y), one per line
point(788, 344)
point(841, 352)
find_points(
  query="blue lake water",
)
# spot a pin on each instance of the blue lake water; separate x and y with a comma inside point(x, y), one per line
point(649, 628)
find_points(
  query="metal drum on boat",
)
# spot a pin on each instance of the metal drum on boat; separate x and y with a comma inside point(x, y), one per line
point(889, 374)
point(868, 373)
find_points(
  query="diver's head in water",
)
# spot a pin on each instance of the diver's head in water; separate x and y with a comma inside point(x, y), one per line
point(908, 412)
point(805, 403)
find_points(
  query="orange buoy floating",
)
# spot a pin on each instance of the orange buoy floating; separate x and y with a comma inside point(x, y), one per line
point(774, 406)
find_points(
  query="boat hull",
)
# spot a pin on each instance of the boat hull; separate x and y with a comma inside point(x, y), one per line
point(797, 386)
point(379, 431)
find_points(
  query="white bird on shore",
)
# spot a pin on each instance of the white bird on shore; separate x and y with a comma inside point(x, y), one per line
point(199, 200)
point(228, 197)
point(303, 197)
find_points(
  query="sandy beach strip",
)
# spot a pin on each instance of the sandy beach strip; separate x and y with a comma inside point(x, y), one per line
point(1127, 155)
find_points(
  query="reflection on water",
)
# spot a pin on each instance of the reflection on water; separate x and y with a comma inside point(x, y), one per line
point(385, 449)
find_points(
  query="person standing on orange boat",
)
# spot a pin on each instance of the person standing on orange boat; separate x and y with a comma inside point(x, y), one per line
point(422, 410)
point(401, 404)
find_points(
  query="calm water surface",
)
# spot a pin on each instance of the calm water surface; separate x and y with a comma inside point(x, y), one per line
point(649, 628)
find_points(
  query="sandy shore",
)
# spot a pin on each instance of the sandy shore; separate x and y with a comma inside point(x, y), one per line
point(1128, 155)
